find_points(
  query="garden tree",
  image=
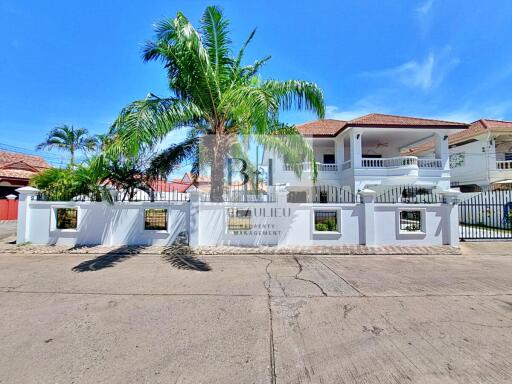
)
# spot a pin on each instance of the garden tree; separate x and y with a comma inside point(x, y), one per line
point(220, 101)
point(71, 139)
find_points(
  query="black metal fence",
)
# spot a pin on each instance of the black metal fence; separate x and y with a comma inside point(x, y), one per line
point(486, 215)
point(241, 194)
point(165, 192)
point(409, 194)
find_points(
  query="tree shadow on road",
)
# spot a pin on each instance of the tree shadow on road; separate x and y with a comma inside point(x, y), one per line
point(108, 259)
point(183, 258)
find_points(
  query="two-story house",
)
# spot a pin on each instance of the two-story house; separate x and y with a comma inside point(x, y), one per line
point(371, 152)
point(480, 156)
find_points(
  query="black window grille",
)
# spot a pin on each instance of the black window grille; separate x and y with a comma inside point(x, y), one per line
point(67, 218)
point(410, 221)
point(239, 219)
point(155, 219)
point(326, 221)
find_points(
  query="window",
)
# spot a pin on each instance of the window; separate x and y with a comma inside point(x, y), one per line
point(410, 221)
point(457, 160)
point(329, 159)
point(155, 219)
point(326, 221)
point(239, 219)
point(66, 218)
point(508, 156)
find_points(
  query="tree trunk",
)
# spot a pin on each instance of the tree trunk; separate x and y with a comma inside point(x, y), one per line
point(218, 156)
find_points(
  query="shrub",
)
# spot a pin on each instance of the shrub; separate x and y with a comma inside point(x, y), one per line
point(321, 227)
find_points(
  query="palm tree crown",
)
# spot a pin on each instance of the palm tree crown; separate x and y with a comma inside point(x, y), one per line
point(213, 94)
point(69, 138)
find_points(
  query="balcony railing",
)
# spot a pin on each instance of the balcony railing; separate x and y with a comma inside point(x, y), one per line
point(306, 167)
point(430, 163)
point(507, 164)
point(390, 162)
point(402, 161)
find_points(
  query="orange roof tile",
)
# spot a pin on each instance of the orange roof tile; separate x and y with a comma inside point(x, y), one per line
point(7, 157)
point(475, 128)
point(381, 120)
point(325, 127)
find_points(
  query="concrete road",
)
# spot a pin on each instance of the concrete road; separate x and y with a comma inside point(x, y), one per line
point(7, 229)
point(247, 319)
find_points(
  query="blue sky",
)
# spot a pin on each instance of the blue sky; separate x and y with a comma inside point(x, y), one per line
point(79, 62)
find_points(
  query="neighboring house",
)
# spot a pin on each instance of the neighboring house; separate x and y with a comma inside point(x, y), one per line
point(16, 169)
point(371, 152)
point(481, 156)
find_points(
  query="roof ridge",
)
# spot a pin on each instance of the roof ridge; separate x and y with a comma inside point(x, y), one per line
point(403, 116)
point(314, 121)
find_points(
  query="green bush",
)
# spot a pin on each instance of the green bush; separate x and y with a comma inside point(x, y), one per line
point(321, 227)
point(331, 224)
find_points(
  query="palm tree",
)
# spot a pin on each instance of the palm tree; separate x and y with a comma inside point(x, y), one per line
point(217, 99)
point(69, 138)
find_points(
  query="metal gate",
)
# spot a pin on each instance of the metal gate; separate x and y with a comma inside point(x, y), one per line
point(486, 215)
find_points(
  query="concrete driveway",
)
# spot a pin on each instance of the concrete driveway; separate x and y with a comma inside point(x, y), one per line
point(249, 319)
point(7, 229)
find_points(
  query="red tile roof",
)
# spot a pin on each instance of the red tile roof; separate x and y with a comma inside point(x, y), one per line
point(169, 186)
point(332, 127)
point(475, 128)
point(20, 166)
point(7, 157)
point(381, 120)
point(325, 127)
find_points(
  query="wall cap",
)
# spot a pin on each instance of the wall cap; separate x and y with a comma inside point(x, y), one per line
point(28, 190)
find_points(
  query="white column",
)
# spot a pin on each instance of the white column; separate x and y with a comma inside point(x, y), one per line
point(26, 194)
point(339, 151)
point(356, 152)
point(368, 199)
point(450, 202)
point(193, 219)
point(442, 150)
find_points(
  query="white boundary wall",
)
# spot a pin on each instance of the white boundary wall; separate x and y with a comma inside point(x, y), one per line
point(277, 224)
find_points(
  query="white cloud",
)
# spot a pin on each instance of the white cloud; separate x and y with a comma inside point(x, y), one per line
point(424, 8)
point(423, 15)
point(424, 74)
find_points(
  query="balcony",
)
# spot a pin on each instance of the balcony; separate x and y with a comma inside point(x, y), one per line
point(507, 164)
point(402, 161)
point(306, 167)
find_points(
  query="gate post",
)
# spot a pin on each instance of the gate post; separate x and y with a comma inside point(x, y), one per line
point(368, 199)
point(193, 219)
point(451, 203)
point(26, 194)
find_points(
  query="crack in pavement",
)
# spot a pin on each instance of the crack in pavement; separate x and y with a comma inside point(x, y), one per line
point(306, 280)
point(267, 285)
point(337, 274)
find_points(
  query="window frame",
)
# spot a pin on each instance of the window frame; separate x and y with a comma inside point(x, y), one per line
point(54, 218)
point(228, 217)
point(422, 221)
point(337, 212)
point(166, 230)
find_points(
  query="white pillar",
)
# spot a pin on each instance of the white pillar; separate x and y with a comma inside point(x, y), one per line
point(339, 155)
point(450, 202)
point(442, 150)
point(356, 152)
point(368, 199)
point(193, 219)
point(282, 197)
point(26, 194)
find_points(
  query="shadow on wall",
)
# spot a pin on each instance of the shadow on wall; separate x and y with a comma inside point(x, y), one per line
point(107, 260)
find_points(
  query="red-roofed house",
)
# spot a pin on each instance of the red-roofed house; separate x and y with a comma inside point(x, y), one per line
point(367, 152)
point(16, 169)
point(480, 156)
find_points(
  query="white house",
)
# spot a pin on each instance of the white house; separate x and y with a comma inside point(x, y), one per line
point(480, 156)
point(369, 152)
